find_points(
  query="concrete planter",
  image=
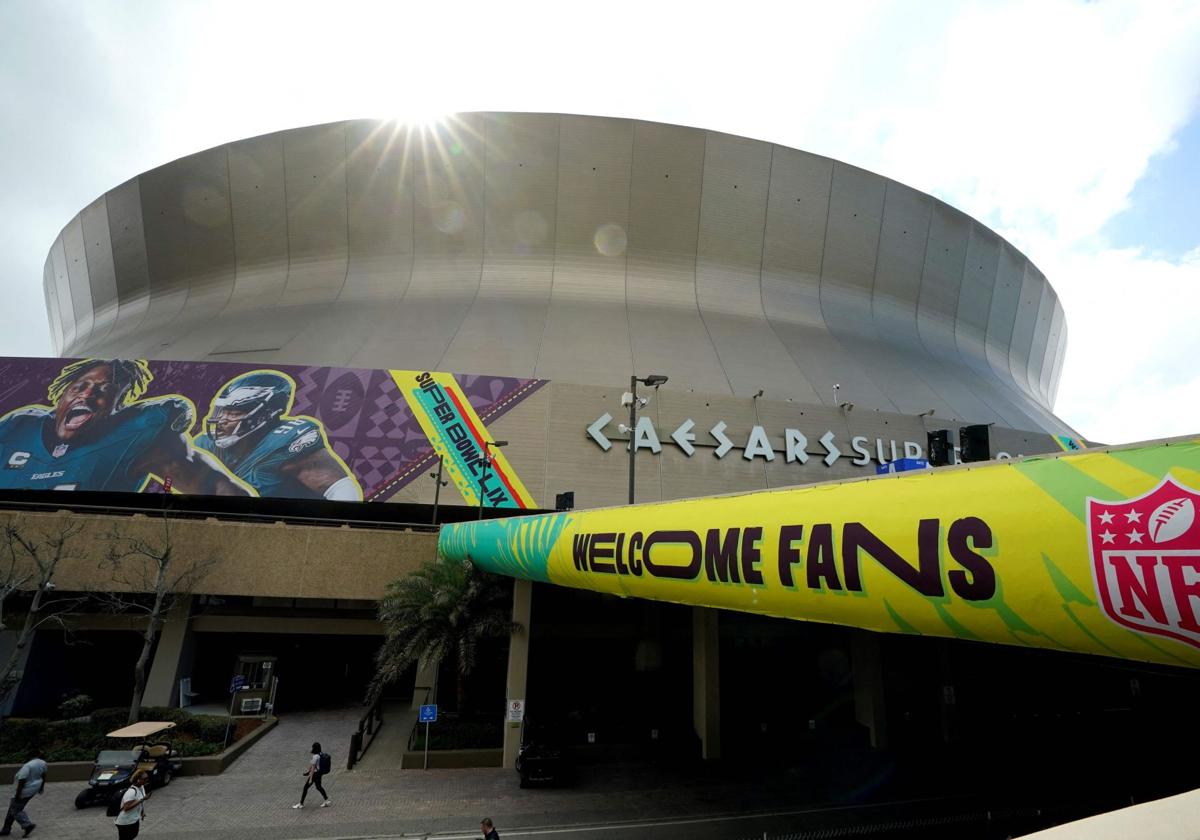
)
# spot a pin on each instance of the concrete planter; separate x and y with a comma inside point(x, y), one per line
point(200, 765)
point(454, 759)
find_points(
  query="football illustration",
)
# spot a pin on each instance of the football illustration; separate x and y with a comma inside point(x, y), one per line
point(1171, 519)
point(341, 401)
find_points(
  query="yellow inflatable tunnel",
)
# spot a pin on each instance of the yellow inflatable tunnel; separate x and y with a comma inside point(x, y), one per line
point(1095, 551)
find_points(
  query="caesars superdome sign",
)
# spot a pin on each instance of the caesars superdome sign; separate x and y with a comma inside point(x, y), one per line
point(827, 447)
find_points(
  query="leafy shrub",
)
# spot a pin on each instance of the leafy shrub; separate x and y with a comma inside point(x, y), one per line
point(70, 753)
point(109, 719)
point(210, 727)
point(167, 713)
point(19, 736)
point(461, 735)
point(192, 748)
point(76, 706)
point(80, 741)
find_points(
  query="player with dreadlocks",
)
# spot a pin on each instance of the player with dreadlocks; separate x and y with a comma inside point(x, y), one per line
point(97, 434)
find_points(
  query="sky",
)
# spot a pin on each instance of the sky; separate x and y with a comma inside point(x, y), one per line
point(1070, 128)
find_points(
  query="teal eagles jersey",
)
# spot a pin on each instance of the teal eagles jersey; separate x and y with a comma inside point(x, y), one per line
point(261, 457)
point(107, 457)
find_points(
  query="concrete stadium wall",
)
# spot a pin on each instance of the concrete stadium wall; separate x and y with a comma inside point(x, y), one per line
point(275, 560)
point(550, 449)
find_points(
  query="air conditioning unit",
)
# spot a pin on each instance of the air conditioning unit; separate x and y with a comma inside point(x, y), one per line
point(253, 705)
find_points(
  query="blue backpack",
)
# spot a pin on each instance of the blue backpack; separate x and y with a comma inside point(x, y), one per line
point(324, 763)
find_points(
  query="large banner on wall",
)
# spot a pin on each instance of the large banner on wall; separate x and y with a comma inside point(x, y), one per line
point(1095, 552)
point(479, 470)
point(285, 431)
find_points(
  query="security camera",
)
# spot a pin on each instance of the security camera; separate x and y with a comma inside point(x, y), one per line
point(48, 585)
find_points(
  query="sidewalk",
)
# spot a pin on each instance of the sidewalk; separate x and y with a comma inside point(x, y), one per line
point(253, 798)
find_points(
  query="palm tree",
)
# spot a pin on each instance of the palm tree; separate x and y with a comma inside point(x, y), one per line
point(441, 612)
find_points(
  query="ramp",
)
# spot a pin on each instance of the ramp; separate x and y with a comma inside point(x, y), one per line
point(1095, 551)
point(387, 750)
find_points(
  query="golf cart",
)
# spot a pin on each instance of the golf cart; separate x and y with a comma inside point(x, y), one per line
point(114, 769)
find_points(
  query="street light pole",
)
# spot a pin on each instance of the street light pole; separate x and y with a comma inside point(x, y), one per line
point(653, 380)
point(487, 462)
point(633, 406)
point(437, 492)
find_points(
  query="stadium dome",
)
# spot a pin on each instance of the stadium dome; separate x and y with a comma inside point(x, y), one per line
point(577, 250)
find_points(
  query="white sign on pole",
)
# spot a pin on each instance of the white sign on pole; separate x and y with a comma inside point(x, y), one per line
point(516, 711)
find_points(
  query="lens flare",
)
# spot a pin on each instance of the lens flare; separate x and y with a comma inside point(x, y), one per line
point(449, 217)
point(530, 228)
point(419, 116)
point(610, 240)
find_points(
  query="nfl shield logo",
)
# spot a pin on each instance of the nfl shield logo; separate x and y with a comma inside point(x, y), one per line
point(60, 450)
point(1146, 561)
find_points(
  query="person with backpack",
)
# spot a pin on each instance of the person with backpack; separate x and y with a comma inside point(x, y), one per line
point(318, 766)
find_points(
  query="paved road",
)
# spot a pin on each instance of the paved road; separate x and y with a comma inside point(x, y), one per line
point(253, 800)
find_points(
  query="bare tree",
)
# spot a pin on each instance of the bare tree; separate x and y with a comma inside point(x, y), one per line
point(29, 559)
point(154, 578)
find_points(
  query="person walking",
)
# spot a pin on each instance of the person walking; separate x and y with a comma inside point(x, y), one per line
point(28, 783)
point(133, 807)
point(318, 766)
point(489, 830)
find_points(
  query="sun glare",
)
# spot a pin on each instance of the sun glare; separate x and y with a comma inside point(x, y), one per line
point(419, 116)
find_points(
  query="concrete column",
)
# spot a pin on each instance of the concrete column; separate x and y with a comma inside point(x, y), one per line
point(172, 658)
point(869, 709)
point(518, 665)
point(706, 681)
point(424, 684)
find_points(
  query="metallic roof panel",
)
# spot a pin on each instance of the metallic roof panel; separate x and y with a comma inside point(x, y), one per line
point(574, 248)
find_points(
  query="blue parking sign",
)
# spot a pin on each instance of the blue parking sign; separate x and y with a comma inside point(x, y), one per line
point(429, 714)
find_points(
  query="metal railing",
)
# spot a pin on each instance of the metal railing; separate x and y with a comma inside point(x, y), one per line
point(368, 727)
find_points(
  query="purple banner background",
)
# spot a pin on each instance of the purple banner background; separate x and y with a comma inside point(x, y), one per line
point(366, 418)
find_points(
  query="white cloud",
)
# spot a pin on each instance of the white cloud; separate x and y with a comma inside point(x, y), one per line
point(1042, 116)
point(1036, 117)
point(1131, 371)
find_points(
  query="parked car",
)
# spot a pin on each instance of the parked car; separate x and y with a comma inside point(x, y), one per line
point(544, 757)
point(114, 768)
